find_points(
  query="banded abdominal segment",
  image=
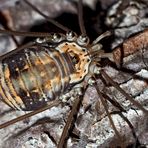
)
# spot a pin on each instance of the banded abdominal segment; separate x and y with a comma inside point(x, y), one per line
point(32, 77)
point(79, 57)
point(59, 67)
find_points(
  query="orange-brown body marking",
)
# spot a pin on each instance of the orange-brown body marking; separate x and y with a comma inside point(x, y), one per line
point(32, 77)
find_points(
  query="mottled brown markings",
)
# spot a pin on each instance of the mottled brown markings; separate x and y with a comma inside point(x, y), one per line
point(68, 63)
point(26, 100)
point(2, 91)
point(76, 53)
point(27, 97)
point(54, 73)
point(18, 82)
point(24, 90)
point(61, 67)
point(21, 87)
point(38, 104)
point(49, 66)
point(19, 60)
point(78, 68)
point(34, 77)
point(5, 88)
point(65, 74)
point(67, 58)
point(42, 69)
point(11, 87)
point(71, 67)
point(12, 67)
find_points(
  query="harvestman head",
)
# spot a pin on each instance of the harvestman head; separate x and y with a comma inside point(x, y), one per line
point(94, 69)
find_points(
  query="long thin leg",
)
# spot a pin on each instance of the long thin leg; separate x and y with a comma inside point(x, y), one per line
point(118, 106)
point(27, 45)
point(26, 34)
point(114, 102)
point(131, 127)
point(108, 114)
point(123, 92)
point(47, 18)
point(80, 18)
point(38, 122)
point(68, 123)
point(5, 25)
point(50, 105)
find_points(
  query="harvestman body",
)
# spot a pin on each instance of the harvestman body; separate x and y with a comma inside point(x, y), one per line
point(56, 67)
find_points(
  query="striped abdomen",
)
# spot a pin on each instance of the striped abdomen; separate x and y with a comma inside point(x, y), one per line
point(32, 77)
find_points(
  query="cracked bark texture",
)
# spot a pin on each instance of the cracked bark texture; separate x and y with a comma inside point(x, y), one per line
point(92, 127)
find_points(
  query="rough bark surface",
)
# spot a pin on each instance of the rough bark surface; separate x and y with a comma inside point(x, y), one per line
point(92, 127)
